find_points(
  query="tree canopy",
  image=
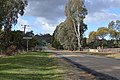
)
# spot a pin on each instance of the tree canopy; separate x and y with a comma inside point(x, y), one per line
point(114, 25)
point(10, 11)
point(76, 11)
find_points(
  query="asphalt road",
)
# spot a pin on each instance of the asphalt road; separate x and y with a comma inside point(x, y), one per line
point(99, 66)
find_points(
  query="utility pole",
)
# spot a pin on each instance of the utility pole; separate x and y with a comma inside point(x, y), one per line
point(27, 38)
point(25, 26)
point(27, 45)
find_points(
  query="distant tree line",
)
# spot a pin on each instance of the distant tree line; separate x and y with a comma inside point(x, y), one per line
point(18, 44)
point(44, 39)
point(112, 32)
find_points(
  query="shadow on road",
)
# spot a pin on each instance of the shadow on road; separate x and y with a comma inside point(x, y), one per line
point(99, 76)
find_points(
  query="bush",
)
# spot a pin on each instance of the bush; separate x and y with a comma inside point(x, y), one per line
point(11, 50)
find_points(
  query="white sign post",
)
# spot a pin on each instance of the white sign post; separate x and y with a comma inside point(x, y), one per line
point(27, 38)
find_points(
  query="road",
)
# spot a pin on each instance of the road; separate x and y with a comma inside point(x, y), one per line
point(98, 66)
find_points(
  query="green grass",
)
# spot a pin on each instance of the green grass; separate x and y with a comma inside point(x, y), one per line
point(30, 66)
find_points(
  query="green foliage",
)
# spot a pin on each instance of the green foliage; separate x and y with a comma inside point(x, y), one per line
point(16, 40)
point(83, 28)
point(115, 35)
point(57, 44)
point(9, 13)
point(64, 36)
point(10, 10)
point(92, 36)
point(97, 38)
point(102, 32)
point(114, 25)
point(76, 11)
point(114, 31)
point(42, 42)
point(69, 34)
point(44, 39)
point(84, 43)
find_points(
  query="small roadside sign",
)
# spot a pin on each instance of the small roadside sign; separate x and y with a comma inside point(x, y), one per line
point(27, 37)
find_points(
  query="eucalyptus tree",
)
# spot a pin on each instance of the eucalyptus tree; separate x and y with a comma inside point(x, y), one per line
point(114, 34)
point(92, 36)
point(102, 32)
point(114, 25)
point(10, 10)
point(76, 10)
point(114, 28)
point(93, 40)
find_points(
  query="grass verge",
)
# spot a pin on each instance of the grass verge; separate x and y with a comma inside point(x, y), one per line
point(30, 66)
point(117, 56)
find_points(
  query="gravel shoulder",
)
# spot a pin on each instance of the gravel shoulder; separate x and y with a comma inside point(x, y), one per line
point(71, 72)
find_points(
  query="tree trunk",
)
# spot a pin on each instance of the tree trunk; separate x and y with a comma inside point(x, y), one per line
point(102, 43)
point(79, 39)
point(79, 45)
point(77, 33)
point(118, 42)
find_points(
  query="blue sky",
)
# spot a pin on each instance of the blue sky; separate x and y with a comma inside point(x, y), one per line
point(43, 16)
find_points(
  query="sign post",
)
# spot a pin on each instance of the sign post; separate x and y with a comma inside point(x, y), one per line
point(27, 38)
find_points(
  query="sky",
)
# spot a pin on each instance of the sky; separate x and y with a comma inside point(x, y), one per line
point(43, 16)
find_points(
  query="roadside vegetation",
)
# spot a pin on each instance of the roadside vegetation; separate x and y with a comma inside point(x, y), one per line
point(103, 54)
point(30, 66)
point(117, 56)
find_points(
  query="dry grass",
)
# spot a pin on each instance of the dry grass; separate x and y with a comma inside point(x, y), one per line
point(117, 56)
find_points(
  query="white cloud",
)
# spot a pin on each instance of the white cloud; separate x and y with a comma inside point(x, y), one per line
point(44, 25)
point(101, 17)
point(102, 11)
point(22, 22)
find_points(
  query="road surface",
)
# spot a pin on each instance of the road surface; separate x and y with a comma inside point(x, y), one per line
point(98, 66)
